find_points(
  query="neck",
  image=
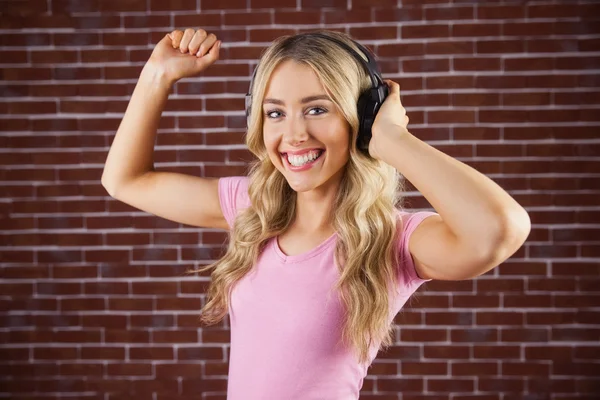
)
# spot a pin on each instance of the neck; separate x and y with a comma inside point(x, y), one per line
point(313, 213)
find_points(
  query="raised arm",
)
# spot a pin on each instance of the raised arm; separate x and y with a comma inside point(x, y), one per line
point(129, 174)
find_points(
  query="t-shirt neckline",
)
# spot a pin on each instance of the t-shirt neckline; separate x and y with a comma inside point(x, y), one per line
point(303, 256)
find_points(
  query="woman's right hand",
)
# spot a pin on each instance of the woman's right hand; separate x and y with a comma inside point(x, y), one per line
point(185, 54)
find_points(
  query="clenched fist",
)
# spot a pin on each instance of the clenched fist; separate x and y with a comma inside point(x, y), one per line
point(185, 54)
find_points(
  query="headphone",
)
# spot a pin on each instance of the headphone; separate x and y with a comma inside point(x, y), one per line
point(369, 101)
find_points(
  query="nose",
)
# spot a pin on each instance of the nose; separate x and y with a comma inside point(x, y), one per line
point(296, 131)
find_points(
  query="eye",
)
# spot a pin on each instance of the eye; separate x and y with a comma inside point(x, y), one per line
point(269, 114)
point(317, 108)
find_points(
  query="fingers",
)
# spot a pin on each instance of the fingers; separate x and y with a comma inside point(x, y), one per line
point(394, 87)
point(197, 43)
point(201, 43)
point(188, 34)
point(210, 57)
point(176, 37)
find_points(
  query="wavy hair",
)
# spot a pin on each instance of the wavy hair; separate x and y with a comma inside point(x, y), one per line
point(367, 251)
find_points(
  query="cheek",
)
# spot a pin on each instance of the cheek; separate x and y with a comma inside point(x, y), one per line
point(332, 129)
point(269, 139)
point(337, 135)
point(271, 142)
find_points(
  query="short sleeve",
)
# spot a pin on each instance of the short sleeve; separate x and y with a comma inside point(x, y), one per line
point(409, 280)
point(233, 196)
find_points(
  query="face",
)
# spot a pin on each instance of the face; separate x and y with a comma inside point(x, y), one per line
point(298, 115)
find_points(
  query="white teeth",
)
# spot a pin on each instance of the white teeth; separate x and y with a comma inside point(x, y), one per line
point(298, 161)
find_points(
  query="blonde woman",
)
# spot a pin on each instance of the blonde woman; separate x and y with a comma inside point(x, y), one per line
point(321, 255)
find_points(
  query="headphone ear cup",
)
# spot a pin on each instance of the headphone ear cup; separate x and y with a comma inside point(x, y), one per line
point(368, 106)
point(248, 109)
point(364, 134)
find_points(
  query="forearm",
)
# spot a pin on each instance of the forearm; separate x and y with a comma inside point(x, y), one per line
point(474, 207)
point(132, 151)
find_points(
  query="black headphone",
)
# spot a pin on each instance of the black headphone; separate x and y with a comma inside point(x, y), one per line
point(369, 101)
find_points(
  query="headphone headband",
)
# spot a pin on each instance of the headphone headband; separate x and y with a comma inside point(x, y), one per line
point(370, 64)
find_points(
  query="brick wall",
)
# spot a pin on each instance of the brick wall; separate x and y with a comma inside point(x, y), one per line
point(93, 304)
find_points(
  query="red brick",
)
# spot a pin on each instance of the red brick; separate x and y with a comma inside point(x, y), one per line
point(499, 318)
point(245, 18)
point(130, 304)
point(529, 28)
point(437, 117)
point(449, 13)
point(538, 335)
point(356, 15)
point(482, 300)
point(308, 4)
point(446, 352)
point(507, 12)
point(273, 4)
point(27, 8)
point(476, 29)
point(151, 353)
point(129, 369)
point(424, 31)
point(173, 5)
point(475, 99)
point(449, 82)
point(374, 33)
point(127, 336)
point(431, 65)
point(525, 368)
point(147, 21)
point(179, 369)
point(400, 50)
point(502, 384)
point(451, 385)
point(485, 46)
point(396, 14)
point(526, 99)
point(430, 335)
point(268, 35)
point(552, 385)
point(423, 368)
point(494, 352)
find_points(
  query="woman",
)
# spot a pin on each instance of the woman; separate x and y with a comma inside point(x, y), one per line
point(321, 255)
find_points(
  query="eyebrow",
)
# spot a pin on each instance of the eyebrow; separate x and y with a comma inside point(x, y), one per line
point(307, 99)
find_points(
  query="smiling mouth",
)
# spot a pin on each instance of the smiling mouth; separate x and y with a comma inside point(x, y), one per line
point(287, 161)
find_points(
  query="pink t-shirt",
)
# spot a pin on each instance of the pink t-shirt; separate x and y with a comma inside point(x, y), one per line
point(286, 320)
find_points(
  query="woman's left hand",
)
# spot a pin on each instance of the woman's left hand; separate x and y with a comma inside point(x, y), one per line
point(391, 120)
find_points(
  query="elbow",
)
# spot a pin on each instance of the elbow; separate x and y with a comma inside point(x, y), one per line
point(516, 226)
point(514, 230)
point(110, 188)
point(110, 192)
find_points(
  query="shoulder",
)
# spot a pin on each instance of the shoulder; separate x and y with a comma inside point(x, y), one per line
point(234, 188)
point(233, 195)
point(408, 221)
point(410, 226)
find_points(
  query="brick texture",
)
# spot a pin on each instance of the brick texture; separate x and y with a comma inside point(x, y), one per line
point(94, 304)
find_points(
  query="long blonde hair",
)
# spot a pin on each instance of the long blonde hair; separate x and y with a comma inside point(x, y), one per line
point(367, 252)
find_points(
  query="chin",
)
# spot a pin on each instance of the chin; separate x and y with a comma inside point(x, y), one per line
point(302, 187)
